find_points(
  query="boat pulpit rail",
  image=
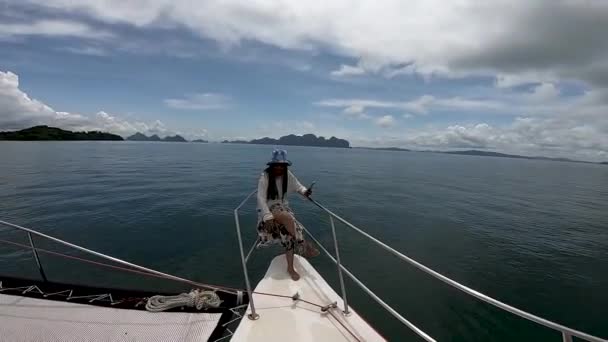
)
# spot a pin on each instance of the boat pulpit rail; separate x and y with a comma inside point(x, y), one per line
point(567, 333)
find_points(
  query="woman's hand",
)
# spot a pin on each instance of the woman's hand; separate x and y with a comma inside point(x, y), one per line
point(308, 192)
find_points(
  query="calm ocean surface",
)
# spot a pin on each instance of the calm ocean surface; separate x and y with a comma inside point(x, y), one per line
point(531, 233)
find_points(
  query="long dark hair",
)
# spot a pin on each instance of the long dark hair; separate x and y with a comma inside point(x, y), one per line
point(272, 192)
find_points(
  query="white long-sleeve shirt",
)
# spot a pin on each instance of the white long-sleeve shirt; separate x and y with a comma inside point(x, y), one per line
point(293, 185)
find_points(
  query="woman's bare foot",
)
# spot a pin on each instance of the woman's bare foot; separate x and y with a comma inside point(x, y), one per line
point(294, 275)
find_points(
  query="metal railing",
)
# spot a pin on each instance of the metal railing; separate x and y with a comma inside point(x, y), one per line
point(31, 233)
point(253, 315)
point(567, 333)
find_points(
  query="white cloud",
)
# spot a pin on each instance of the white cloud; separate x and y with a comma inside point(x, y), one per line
point(86, 50)
point(355, 112)
point(52, 28)
point(394, 72)
point(18, 110)
point(527, 77)
point(466, 104)
point(357, 103)
point(348, 70)
point(385, 121)
point(201, 101)
point(544, 93)
point(505, 38)
point(420, 105)
point(354, 109)
point(279, 128)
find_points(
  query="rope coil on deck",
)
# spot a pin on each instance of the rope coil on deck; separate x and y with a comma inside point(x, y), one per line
point(200, 299)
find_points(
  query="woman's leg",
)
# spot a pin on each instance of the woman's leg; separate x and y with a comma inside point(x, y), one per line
point(292, 271)
point(288, 222)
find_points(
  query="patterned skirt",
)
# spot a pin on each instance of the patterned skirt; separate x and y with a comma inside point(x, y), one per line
point(271, 232)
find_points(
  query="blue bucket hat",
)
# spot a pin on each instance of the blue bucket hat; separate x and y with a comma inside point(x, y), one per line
point(279, 157)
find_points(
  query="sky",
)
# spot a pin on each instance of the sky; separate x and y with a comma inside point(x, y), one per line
point(514, 76)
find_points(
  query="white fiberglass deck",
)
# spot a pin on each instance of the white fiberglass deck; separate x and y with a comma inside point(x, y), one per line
point(29, 319)
point(282, 319)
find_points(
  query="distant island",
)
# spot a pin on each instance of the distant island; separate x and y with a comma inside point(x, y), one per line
point(482, 154)
point(504, 155)
point(296, 140)
point(53, 133)
point(234, 142)
point(142, 137)
point(174, 138)
point(46, 133)
point(385, 149)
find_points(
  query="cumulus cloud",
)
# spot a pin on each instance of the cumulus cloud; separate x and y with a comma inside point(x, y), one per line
point(18, 110)
point(455, 136)
point(561, 136)
point(506, 38)
point(385, 121)
point(201, 101)
point(112, 123)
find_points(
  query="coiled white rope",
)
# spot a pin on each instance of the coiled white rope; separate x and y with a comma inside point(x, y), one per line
point(196, 298)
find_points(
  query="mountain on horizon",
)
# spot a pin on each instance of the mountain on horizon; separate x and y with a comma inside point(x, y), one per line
point(142, 137)
point(138, 137)
point(297, 140)
point(174, 138)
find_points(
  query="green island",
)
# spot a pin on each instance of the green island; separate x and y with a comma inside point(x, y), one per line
point(53, 133)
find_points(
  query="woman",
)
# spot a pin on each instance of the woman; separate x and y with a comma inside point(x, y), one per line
point(276, 222)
